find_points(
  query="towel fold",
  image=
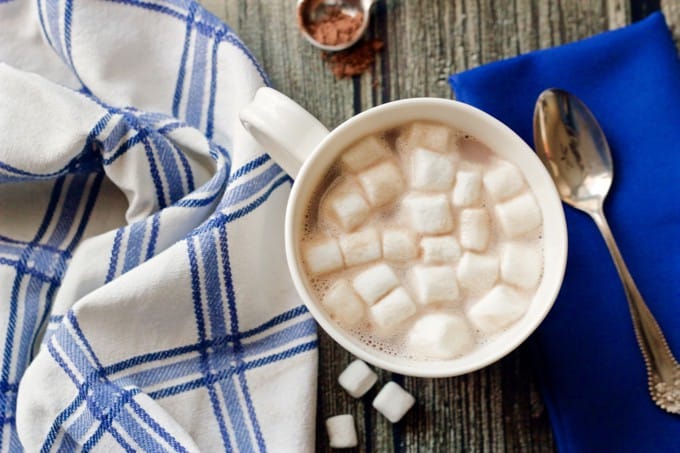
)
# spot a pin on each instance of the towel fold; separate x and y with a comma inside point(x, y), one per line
point(592, 374)
point(145, 303)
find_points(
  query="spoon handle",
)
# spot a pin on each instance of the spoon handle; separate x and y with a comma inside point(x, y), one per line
point(661, 365)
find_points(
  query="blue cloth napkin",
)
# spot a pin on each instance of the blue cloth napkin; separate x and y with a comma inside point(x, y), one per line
point(592, 374)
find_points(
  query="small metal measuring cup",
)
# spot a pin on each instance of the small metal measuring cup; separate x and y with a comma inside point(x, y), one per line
point(314, 11)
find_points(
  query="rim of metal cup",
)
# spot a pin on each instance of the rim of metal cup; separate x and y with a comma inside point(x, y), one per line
point(548, 198)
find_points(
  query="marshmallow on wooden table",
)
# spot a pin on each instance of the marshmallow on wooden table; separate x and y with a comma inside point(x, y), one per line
point(357, 378)
point(503, 181)
point(382, 183)
point(440, 249)
point(393, 309)
point(429, 214)
point(346, 206)
point(430, 170)
point(364, 153)
point(344, 304)
point(322, 256)
point(375, 282)
point(477, 272)
point(393, 401)
point(441, 336)
point(426, 135)
point(399, 244)
point(475, 229)
point(521, 265)
point(498, 309)
point(468, 188)
point(341, 431)
point(519, 215)
point(435, 284)
point(360, 247)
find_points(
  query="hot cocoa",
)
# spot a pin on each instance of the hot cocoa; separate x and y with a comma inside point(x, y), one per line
point(422, 242)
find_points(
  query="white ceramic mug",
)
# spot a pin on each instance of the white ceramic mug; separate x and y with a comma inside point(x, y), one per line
point(305, 149)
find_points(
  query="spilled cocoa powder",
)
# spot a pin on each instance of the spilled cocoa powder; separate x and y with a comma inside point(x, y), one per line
point(354, 61)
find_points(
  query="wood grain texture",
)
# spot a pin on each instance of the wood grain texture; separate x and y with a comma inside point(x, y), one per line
point(497, 408)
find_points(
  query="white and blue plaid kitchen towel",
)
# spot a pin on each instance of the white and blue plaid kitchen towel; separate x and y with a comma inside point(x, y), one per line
point(145, 303)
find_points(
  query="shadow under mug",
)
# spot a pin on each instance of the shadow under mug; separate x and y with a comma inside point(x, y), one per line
point(305, 149)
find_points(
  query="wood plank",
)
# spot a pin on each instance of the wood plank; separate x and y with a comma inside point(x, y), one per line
point(497, 408)
point(671, 9)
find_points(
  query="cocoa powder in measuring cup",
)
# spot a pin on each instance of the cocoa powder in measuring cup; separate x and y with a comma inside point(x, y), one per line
point(333, 28)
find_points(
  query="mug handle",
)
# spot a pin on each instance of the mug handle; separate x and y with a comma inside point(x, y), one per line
point(287, 132)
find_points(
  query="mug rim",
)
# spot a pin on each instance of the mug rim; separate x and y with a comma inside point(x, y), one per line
point(421, 368)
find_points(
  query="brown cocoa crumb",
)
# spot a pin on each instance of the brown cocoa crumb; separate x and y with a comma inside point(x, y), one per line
point(355, 60)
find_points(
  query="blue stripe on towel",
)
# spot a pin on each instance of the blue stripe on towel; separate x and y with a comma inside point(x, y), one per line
point(196, 94)
point(200, 325)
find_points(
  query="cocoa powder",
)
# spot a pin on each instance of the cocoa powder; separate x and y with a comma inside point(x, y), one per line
point(332, 27)
point(329, 25)
point(355, 60)
point(337, 28)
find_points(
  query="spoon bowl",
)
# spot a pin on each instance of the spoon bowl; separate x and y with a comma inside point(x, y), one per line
point(572, 146)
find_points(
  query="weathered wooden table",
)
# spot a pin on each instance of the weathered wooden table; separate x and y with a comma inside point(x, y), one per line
point(497, 408)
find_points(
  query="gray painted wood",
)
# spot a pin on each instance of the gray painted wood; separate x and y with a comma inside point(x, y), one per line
point(497, 408)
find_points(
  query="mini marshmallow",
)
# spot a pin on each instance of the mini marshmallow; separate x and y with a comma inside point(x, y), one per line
point(427, 135)
point(475, 229)
point(429, 214)
point(364, 153)
point(521, 265)
point(441, 336)
point(477, 273)
point(375, 282)
point(468, 188)
point(430, 170)
point(343, 304)
point(341, 431)
point(519, 215)
point(357, 379)
point(440, 249)
point(399, 245)
point(323, 256)
point(393, 401)
point(346, 206)
point(433, 284)
point(503, 182)
point(392, 310)
point(360, 247)
point(498, 309)
point(382, 183)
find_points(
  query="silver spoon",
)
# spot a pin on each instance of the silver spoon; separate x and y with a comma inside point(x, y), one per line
point(574, 149)
point(312, 11)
